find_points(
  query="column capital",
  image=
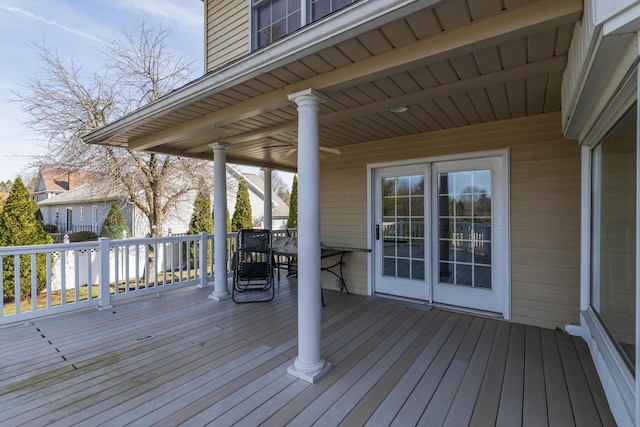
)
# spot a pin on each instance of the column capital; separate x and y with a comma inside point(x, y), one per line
point(266, 169)
point(219, 146)
point(307, 95)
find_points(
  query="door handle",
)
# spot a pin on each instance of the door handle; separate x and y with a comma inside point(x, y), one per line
point(377, 232)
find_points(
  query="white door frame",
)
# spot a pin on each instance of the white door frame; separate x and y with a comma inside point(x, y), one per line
point(505, 233)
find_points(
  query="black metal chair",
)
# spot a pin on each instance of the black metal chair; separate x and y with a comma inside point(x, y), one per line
point(253, 267)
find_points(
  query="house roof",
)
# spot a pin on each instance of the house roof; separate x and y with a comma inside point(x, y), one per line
point(279, 207)
point(254, 181)
point(85, 193)
point(57, 179)
point(452, 63)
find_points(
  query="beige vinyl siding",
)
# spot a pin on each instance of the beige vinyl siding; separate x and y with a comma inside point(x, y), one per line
point(227, 34)
point(544, 204)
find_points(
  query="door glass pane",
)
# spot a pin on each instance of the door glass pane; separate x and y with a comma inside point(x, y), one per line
point(464, 228)
point(613, 235)
point(403, 226)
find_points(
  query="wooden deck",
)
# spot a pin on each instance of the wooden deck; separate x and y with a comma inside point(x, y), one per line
point(185, 359)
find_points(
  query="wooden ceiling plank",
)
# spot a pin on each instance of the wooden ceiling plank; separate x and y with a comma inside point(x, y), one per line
point(444, 72)
point(402, 122)
point(453, 14)
point(424, 77)
point(438, 115)
point(449, 108)
point(358, 95)
point(405, 82)
point(481, 102)
point(465, 66)
point(482, 9)
point(389, 87)
point(259, 86)
point(375, 42)
point(541, 45)
point(301, 70)
point(412, 120)
point(424, 117)
point(517, 93)
point(399, 33)
point(335, 57)
point(513, 53)
point(247, 91)
point(372, 91)
point(354, 50)
point(536, 87)
point(499, 101)
point(488, 60)
point(424, 23)
point(553, 100)
point(285, 75)
point(271, 80)
point(317, 63)
point(563, 41)
point(466, 108)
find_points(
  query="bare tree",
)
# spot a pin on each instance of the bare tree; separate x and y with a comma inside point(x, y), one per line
point(278, 186)
point(64, 103)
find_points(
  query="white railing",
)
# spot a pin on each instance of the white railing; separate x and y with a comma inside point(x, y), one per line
point(62, 277)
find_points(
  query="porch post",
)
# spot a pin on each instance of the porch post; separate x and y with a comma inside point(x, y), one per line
point(220, 291)
point(309, 365)
point(268, 221)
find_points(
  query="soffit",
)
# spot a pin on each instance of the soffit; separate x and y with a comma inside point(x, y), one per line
point(459, 63)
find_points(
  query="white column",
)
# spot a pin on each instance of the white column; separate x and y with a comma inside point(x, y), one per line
point(309, 365)
point(268, 220)
point(220, 290)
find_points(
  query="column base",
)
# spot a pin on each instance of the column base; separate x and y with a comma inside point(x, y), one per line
point(309, 374)
point(220, 297)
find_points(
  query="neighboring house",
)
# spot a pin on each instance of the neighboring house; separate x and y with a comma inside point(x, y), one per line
point(52, 181)
point(255, 185)
point(489, 154)
point(83, 208)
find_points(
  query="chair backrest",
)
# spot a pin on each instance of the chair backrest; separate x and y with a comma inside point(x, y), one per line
point(254, 253)
point(253, 240)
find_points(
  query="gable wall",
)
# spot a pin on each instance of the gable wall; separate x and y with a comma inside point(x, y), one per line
point(227, 32)
point(545, 208)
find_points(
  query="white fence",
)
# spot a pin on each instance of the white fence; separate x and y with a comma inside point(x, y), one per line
point(93, 274)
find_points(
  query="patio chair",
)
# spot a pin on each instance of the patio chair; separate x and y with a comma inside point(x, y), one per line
point(253, 267)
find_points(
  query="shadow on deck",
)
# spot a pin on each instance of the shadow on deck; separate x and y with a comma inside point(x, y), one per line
point(183, 358)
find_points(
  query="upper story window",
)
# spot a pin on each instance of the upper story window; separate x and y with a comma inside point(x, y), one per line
point(274, 19)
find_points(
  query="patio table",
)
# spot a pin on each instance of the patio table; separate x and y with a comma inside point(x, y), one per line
point(289, 250)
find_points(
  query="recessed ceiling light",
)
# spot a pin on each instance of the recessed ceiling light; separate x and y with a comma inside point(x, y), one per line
point(399, 109)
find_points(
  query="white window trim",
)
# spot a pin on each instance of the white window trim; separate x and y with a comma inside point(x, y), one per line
point(621, 388)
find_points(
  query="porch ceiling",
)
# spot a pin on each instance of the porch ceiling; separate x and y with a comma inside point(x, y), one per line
point(455, 63)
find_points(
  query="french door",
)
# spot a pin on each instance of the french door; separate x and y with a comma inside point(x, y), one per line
point(400, 241)
point(441, 232)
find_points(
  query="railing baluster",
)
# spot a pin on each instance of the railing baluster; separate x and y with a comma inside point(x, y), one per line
point(76, 278)
point(34, 284)
point(49, 286)
point(16, 282)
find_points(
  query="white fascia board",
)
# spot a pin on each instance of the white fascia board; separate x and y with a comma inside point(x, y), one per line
point(624, 21)
point(314, 37)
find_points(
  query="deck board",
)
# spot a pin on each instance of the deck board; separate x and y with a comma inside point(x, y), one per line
point(185, 359)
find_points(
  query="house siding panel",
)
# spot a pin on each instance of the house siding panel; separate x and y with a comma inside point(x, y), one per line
point(544, 204)
point(227, 32)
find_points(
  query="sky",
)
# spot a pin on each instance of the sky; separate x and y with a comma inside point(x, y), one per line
point(78, 30)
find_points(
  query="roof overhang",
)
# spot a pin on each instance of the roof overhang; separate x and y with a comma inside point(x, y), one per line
point(452, 63)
